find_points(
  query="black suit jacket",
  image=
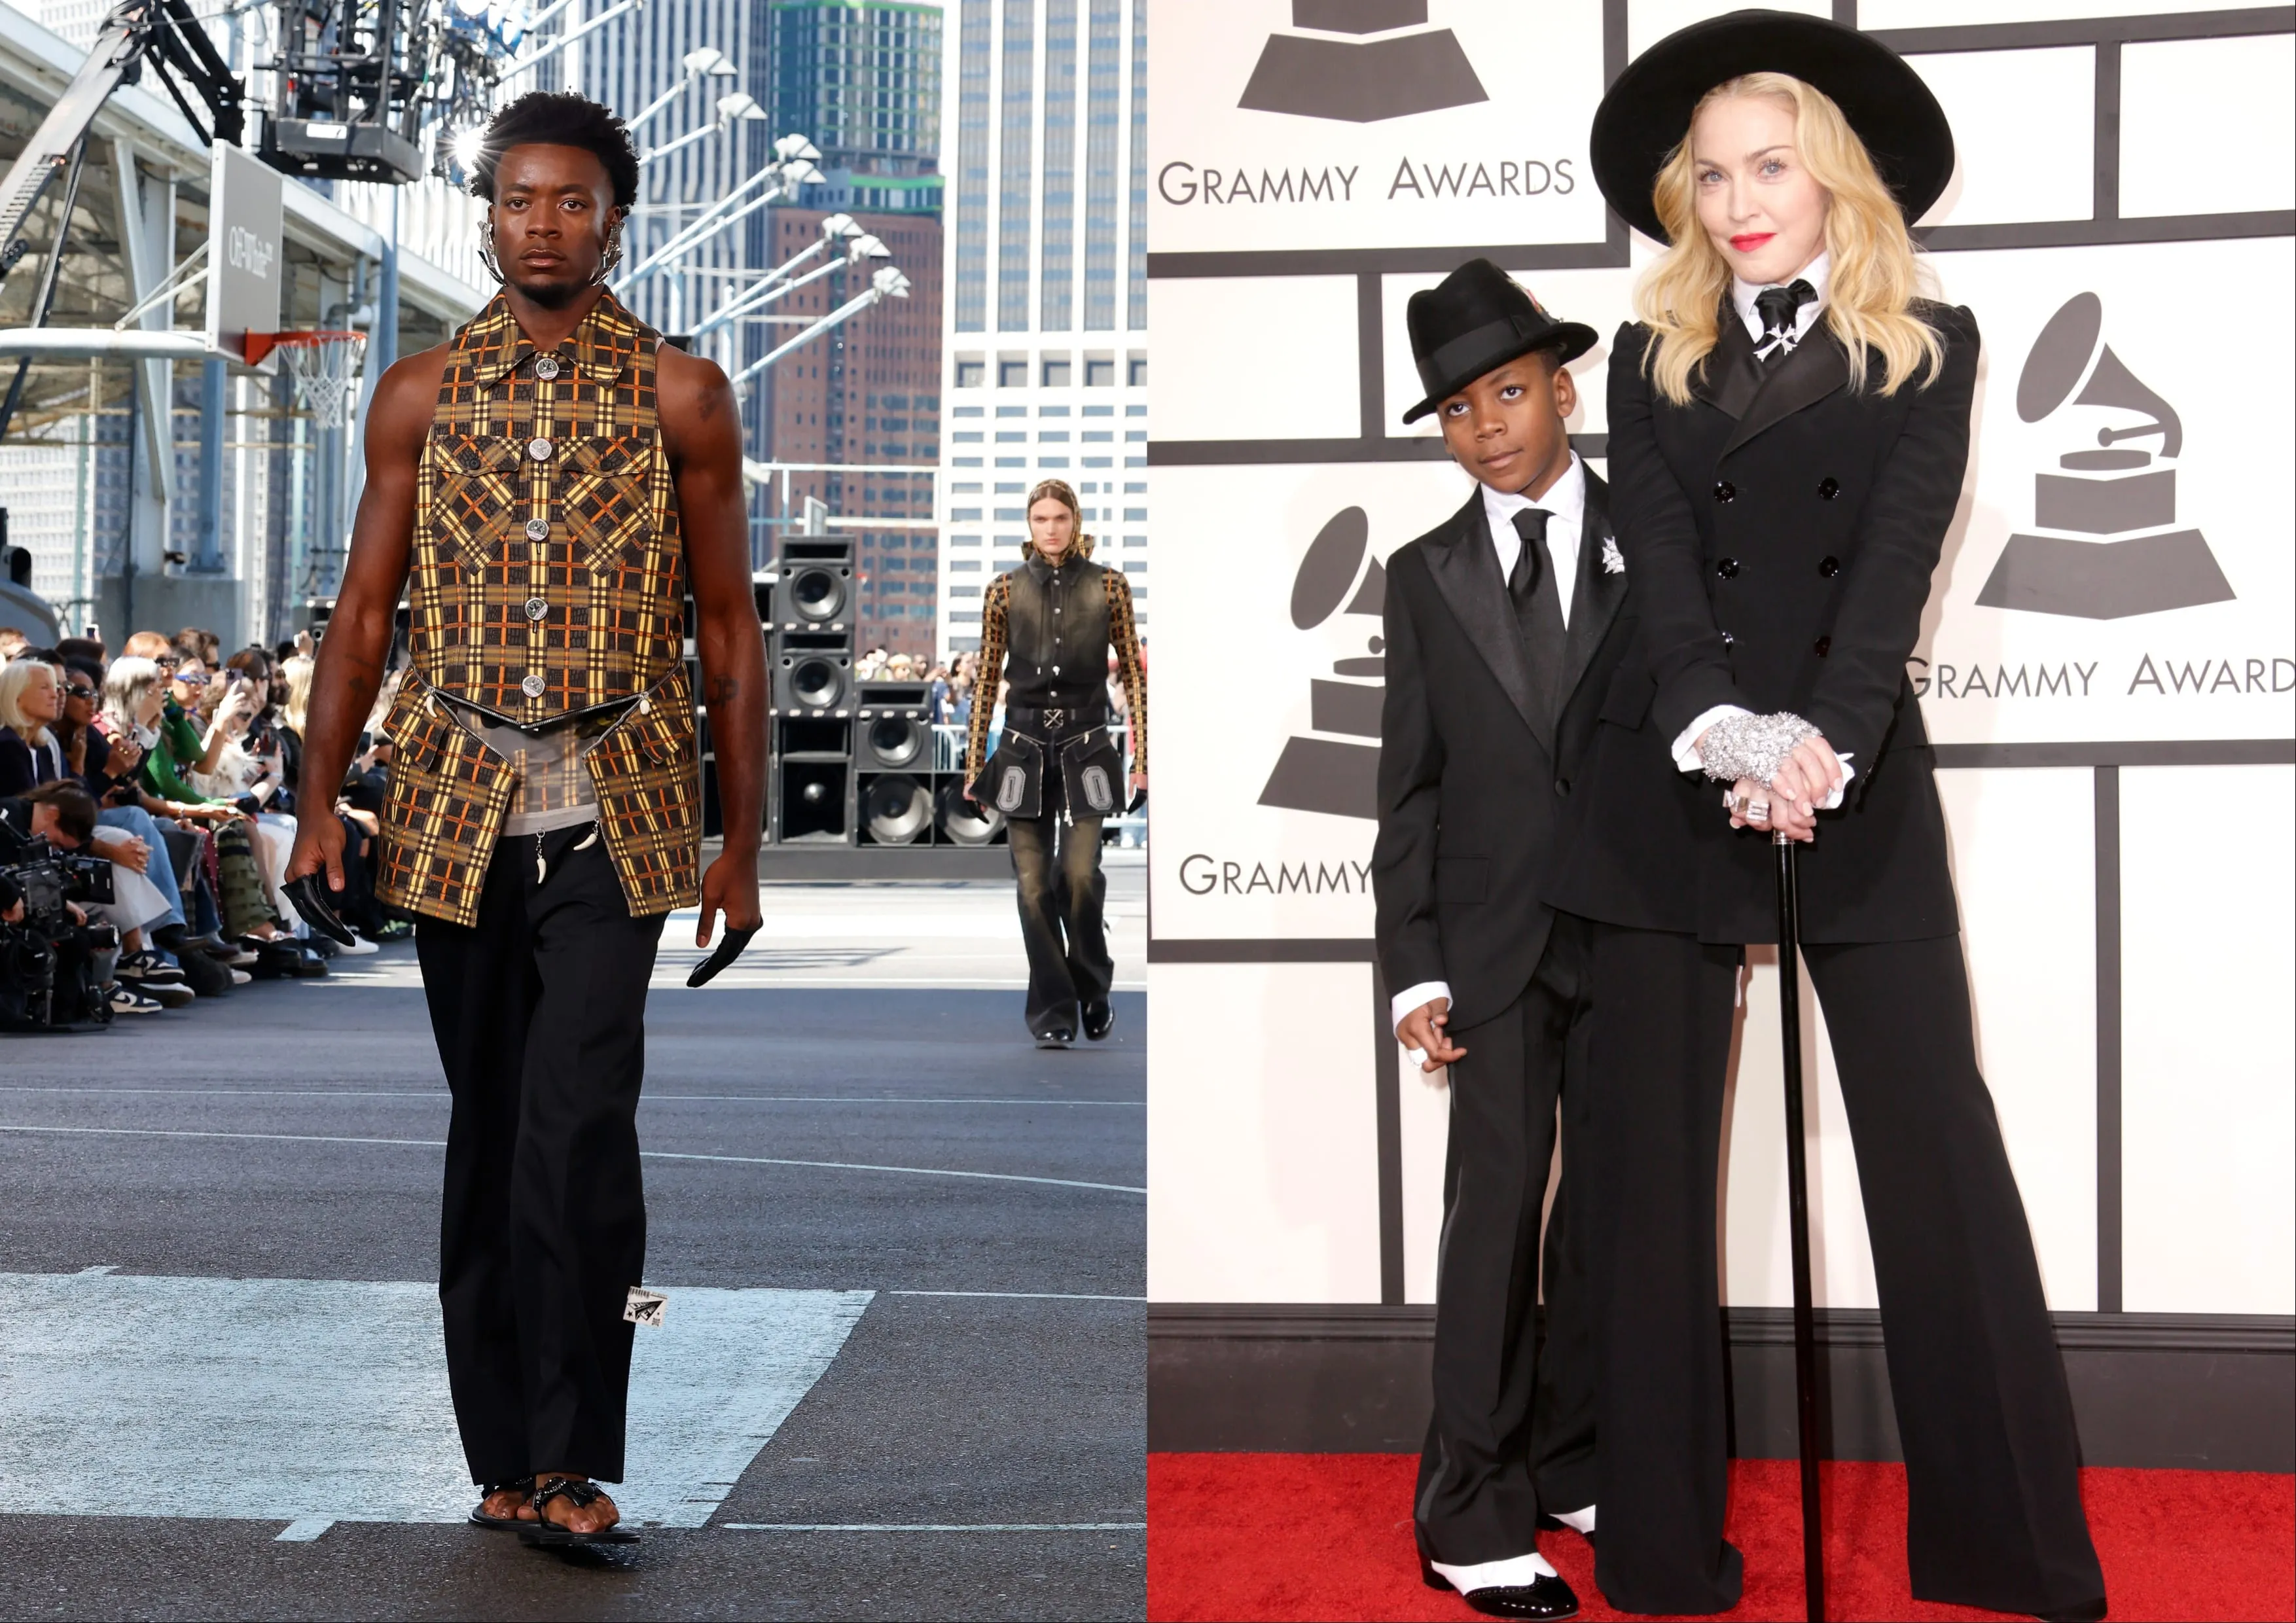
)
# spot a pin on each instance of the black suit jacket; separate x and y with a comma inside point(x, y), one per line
point(1472, 778)
point(1781, 530)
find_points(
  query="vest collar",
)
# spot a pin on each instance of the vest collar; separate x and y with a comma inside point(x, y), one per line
point(599, 347)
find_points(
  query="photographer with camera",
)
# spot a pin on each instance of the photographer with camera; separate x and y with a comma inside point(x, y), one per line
point(31, 755)
point(55, 966)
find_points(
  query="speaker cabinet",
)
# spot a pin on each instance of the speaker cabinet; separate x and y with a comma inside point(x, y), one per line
point(813, 673)
point(961, 822)
point(896, 809)
point(893, 727)
point(815, 588)
point(814, 802)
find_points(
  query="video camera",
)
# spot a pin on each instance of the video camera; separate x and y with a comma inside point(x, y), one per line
point(52, 969)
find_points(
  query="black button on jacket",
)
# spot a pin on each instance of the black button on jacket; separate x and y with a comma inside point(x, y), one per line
point(1822, 616)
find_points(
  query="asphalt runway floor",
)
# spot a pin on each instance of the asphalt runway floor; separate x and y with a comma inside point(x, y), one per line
point(901, 1373)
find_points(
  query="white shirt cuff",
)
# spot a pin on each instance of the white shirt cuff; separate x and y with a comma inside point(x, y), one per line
point(1403, 1002)
point(1686, 758)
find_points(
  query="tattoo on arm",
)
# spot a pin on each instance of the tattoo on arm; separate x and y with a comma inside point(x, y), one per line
point(723, 690)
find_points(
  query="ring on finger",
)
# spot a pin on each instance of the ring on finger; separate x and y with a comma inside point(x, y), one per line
point(1758, 812)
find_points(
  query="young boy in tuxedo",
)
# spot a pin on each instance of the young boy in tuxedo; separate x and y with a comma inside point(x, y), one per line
point(1503, 628)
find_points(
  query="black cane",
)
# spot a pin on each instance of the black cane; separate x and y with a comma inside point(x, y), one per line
point(1805, 1319)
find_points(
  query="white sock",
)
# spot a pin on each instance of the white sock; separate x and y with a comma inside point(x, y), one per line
point(1509, 1573)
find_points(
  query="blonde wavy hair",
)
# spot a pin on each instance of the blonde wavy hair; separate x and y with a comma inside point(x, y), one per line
point(1874, 274)
point(15, 676)
point(1058, 489)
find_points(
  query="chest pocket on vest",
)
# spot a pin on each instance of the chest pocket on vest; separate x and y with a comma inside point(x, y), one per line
point(607, 498)
point(477, 493)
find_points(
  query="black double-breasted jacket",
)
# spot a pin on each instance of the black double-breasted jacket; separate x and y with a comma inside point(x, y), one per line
point(1781, 530)
point(1473, 774)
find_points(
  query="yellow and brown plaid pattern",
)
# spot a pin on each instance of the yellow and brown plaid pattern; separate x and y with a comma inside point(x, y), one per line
point(548, 579)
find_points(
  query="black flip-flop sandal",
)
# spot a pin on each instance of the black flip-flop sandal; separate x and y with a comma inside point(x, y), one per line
point(500, 1524)
point(547, 1534)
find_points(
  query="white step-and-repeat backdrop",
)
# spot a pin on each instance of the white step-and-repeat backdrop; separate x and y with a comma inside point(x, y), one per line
point(2109, 664)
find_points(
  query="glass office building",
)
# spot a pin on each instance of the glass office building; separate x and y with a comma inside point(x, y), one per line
point(861, 78)
point(1045, 352)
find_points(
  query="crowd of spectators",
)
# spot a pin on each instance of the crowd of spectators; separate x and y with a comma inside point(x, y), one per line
point(182, 771)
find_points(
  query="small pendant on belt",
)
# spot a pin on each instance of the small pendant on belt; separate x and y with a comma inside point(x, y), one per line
point(541, 862)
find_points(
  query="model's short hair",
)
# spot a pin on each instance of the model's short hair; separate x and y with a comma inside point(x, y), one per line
point(554, 117)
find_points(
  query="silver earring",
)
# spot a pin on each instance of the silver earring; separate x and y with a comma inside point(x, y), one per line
point(614, 259)
point(486, 253)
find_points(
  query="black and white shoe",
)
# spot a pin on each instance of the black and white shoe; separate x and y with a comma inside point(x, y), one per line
point(126, 999)
point(1547, 1595)
point(146, 970)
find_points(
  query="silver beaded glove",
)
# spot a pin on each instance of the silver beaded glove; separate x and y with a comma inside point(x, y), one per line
point(1751, 746)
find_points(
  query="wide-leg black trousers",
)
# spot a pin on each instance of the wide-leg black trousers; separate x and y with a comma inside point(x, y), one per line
point(539, 1014)
point(1062, 895)
point(1992, 1463)
point(1513, 1427)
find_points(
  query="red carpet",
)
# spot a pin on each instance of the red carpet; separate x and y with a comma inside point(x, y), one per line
point(1254, 1535)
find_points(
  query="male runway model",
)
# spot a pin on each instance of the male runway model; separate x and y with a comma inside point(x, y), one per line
point(555, 480)
point(1056, 773)
point(1504, 630)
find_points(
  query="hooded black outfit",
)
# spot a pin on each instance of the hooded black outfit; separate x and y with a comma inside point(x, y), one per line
point(1057, 771)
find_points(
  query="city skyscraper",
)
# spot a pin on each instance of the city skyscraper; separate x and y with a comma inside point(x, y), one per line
point(861, 80)
point(1047, 348)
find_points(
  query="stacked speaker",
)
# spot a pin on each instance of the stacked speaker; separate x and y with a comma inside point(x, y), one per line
point(810, 653)
point(912, 785)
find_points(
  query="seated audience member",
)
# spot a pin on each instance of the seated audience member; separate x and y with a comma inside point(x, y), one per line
point(61, 814)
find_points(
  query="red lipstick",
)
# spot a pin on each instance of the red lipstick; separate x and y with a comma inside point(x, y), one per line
point(1748, 242)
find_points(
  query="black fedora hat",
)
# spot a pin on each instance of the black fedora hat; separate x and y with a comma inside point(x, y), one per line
point(1478, 318)
point(1646, 113)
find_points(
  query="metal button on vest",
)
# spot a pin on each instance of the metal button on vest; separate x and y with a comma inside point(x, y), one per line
point(1829, 566)
point(1823, 643)
point(539, 449)
point(1724, 491)
point(537, 529)
point(1727, 639)
point(545, 367)
point(1828, 489)
point(1727, 568)
point(533, 686)
point(1562, 787)
point(535, 608)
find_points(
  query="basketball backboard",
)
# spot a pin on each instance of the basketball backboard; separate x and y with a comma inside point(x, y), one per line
point(246, 254)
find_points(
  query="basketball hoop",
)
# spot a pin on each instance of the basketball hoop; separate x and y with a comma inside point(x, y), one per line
point(324, 365)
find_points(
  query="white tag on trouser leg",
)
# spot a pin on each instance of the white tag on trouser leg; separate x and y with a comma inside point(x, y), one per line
point(645, 1306)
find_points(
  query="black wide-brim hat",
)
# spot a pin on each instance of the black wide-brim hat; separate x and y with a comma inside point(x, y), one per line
point(1646, 113)
point(1476, 320)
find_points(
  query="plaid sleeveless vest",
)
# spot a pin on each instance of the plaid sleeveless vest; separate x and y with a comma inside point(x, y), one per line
point(547, 586)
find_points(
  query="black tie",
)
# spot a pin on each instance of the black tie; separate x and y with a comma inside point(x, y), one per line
point(1776, 306)
point(1538, 607)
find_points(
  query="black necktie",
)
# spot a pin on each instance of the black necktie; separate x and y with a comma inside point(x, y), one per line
point(1776, 306)
point(1537, 606)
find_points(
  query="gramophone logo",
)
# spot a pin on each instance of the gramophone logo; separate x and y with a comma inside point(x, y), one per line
point(2115, 550)
point(1361, 60)
point(1327, 770)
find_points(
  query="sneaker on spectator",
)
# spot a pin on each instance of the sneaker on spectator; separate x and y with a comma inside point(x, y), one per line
point(145, 968)
point(209, 976)
point(391, 929)
point(239, 977)
point(167, 994)
point(126, 1000)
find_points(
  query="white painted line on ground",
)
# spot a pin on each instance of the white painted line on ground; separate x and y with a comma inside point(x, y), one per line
point(934, 1527)
point(1024, 1296)
point(1002, 1178)
point(99, 1270)
point(253, 1399)
point(303, 1529)
point(664, 1155)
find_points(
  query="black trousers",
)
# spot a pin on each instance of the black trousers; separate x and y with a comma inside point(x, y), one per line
point(1062, 892)
point(539, 1012)
point(1992, 1464)
point(1514, 1424)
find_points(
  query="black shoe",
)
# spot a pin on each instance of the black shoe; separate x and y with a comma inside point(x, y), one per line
point(1099, 1018)
point(209, 976)
point(1542, 1597)
point(1059, 1036)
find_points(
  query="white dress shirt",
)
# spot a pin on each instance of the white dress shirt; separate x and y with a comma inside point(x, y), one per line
point(1743, 294)
point(1565, 502)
